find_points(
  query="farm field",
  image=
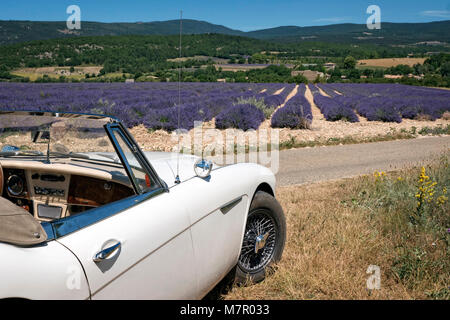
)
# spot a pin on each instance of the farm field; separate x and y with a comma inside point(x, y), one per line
point(56, 72)
point(390, 62)
point(304, 115)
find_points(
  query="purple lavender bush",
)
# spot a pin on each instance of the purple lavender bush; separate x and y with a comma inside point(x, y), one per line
point(240, 116)
point(292, 116)
point(167, 119)
point(332, 110)
point(296, 114)
point(379, 109)
point(273, 101)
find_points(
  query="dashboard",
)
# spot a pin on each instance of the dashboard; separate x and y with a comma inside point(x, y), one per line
point(50, 195)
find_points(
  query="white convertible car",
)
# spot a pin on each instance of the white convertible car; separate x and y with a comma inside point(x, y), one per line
point(85, 214)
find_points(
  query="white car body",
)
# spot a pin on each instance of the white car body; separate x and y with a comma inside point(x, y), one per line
point(176, 244)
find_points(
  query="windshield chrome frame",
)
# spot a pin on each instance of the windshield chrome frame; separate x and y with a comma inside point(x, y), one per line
point(76, 115)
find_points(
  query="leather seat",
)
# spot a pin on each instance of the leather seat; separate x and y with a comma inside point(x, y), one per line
point(9, 208)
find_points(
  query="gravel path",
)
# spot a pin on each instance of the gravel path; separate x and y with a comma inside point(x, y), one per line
point(306, 165)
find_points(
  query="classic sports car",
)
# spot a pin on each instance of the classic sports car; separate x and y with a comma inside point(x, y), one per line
point(85, 214)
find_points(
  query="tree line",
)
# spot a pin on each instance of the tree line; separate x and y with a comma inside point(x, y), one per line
point(146, 57)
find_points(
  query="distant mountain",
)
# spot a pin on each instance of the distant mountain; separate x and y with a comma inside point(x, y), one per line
point(21, 31)
point(390, 33)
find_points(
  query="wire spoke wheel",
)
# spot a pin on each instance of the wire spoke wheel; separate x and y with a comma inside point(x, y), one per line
point(259, 241)
point(263, 241)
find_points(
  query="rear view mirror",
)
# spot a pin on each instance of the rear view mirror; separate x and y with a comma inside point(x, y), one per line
point(40, 136)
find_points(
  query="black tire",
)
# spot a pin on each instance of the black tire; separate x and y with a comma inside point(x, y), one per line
point(264, 211)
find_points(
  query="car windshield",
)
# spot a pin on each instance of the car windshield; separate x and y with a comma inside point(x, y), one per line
point(33, 135)
point(77, 140)
point(56, 165)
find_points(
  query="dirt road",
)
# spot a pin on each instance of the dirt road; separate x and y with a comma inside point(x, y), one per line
point(306, 165)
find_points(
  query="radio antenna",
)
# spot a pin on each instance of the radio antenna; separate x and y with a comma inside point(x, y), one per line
point(177, 178)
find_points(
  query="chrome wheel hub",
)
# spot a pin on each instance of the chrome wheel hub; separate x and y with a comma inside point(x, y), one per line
point(259, 241)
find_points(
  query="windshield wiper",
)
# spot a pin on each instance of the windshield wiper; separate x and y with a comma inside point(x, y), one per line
point(68, 155)
point(114, 158)
point(7, 154)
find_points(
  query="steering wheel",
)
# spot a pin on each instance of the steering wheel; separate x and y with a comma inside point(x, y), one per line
point(1, 180)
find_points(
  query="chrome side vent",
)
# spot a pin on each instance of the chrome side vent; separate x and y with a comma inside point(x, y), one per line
point(227, 208)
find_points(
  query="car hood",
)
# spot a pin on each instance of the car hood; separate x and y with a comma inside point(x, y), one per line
point(164, 163)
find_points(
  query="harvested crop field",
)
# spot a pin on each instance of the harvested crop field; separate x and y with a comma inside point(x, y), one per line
point(56, 72)
point(390, 62)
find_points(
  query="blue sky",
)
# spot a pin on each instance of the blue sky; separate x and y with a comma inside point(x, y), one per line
point(237, 14)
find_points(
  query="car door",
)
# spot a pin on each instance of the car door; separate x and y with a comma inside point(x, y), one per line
point(143, 249)
point(217, 210)
point(154, 258)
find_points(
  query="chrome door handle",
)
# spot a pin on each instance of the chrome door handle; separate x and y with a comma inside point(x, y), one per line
point(107, 252)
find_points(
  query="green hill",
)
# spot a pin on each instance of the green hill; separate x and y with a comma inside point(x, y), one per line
point(22, 31)
point(391, 33)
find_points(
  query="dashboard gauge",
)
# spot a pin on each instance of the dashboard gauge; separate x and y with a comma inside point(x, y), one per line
point(15, 185)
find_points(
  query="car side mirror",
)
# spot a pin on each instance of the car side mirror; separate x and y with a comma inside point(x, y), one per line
point(203, 168)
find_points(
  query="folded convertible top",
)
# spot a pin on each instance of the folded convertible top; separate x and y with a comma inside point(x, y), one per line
point(17, 226)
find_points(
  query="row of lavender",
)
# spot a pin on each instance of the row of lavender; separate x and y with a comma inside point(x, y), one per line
point(376, 102)
point(295, 114)
point(388, 102)
point(155, 105)
point(331, 107)
point(250, 114)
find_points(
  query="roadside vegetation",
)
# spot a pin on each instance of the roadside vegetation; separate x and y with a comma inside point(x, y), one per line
point(398, 221)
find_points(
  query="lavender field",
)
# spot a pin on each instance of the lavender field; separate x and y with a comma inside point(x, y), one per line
point(242, 106)
point(386, 102)
point(154, 105)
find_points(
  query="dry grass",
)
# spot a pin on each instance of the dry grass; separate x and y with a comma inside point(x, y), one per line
point(237, 67)
point(55, 72)
point(336, 230)
point(390, 62)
